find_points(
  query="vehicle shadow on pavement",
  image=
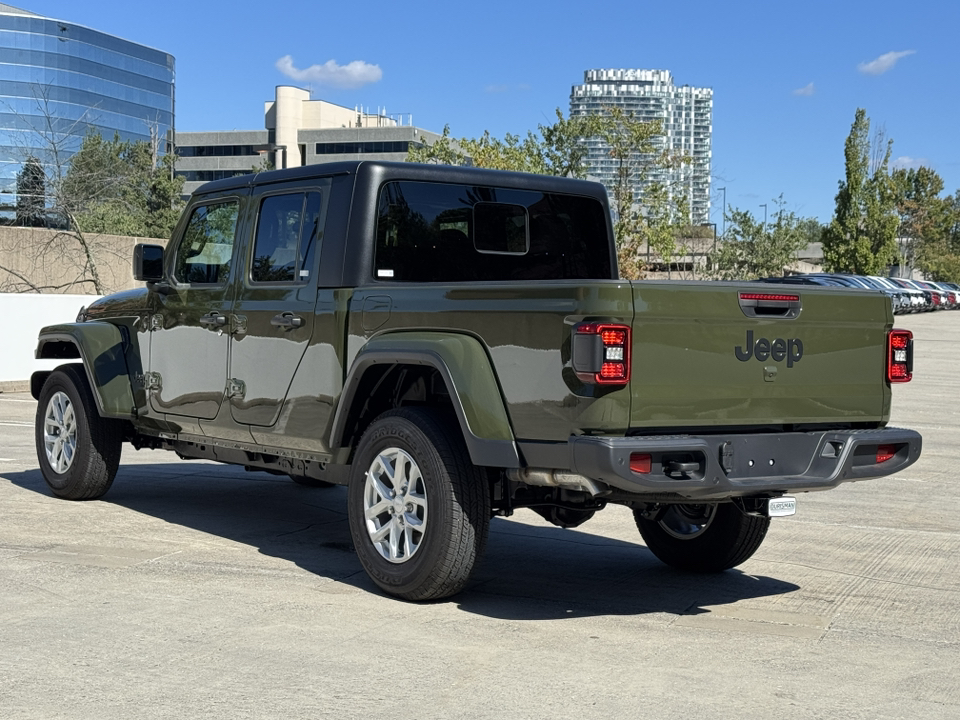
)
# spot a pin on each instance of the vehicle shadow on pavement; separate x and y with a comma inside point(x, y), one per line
point(528, 572)
point(546, 573)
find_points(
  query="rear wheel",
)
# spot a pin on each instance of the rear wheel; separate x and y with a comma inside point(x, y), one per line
point(419, 510)
point(701, 537)
point(79, 451)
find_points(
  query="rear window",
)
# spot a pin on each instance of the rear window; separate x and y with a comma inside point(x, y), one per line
point(439, 232)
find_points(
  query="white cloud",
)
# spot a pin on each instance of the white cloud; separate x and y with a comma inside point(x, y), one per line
point(883, 63)
point(806, 90)
point(907, 162)
point(352, 75)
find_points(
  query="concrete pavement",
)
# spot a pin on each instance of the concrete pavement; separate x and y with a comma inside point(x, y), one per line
point(195, 590)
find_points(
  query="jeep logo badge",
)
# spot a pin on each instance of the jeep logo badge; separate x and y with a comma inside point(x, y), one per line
point(777, 350)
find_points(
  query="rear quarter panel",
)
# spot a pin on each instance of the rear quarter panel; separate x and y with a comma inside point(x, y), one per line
point(525, 329)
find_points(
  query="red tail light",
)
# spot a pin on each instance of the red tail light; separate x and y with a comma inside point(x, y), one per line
point(601, 353)
point(899, 356)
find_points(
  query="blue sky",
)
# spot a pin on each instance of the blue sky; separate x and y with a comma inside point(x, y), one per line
point(787, 77)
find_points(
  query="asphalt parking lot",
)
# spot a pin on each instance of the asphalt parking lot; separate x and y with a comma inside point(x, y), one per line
point(194, 590)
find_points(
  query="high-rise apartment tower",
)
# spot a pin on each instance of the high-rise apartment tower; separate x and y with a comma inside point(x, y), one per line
point(687, 116)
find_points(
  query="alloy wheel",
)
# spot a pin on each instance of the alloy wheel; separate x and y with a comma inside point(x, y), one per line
point(395, 505)
point(60, 432)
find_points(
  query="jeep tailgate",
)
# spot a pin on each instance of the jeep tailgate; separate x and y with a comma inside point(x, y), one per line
point(703, 356)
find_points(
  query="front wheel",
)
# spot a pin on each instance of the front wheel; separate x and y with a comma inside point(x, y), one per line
point(701, 537)
point(419, 510)
point(79, 451)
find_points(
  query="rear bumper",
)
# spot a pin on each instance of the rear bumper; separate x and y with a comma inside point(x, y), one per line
point(747, 464)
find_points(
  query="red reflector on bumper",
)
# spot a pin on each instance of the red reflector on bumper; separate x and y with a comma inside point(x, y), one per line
point(640, 463)
point(885, 452)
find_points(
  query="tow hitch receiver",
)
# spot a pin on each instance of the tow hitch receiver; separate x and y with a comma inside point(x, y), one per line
point(781, 506)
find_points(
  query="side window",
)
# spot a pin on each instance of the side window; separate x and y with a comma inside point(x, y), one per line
point(204, 253)
point(288, 232)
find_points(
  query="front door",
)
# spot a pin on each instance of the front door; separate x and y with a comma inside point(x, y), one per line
point(190, 330)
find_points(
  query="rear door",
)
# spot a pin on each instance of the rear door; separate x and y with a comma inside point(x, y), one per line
point(275, 308)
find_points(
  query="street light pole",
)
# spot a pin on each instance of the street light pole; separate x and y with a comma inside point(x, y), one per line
point(714, 226)
point(723, 214)
point(764, 206)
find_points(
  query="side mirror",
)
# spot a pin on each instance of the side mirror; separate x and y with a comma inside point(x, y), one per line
point(148, 262)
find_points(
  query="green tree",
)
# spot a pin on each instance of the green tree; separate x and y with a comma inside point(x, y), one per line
point(31, 193)
point(752, 249)
point(558, 149)
point(443, 151)
point(861, 237)
point(654, 220)
point(939, 254)
point(923, 214)
point(647, 215)
point(812, 230)
point(265, 165)
point(564, 146)
point(120, 188)
point(94, 187)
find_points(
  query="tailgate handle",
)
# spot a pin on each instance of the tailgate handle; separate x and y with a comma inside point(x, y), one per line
point(770, 305)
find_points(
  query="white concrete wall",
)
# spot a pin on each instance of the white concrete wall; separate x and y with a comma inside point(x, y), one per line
point(21, 317)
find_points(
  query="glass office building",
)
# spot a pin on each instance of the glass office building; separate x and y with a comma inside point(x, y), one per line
point(59, 81)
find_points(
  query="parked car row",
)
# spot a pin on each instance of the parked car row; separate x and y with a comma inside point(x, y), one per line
point(905, 295)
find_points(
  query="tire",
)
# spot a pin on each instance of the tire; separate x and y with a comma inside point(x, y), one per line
point(79, 451)
point(423, 543)
point(311, 482)
point(702, 538)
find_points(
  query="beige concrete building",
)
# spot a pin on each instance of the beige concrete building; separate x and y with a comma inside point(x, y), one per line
point(297, 131)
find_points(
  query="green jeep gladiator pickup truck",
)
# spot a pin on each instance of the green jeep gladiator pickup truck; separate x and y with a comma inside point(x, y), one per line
point(453, 344)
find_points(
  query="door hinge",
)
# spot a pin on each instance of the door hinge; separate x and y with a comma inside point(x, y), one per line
point(236, 388)
point(152, 381)
point(156, 322)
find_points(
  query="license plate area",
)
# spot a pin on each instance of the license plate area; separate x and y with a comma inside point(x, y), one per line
point(782, 506)
point(746, 457)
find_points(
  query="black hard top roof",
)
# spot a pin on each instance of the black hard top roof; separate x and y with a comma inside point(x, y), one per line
point(413, 171)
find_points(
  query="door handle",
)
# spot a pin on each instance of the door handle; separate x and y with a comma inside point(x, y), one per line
point(287, 320)
point(213, 319)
